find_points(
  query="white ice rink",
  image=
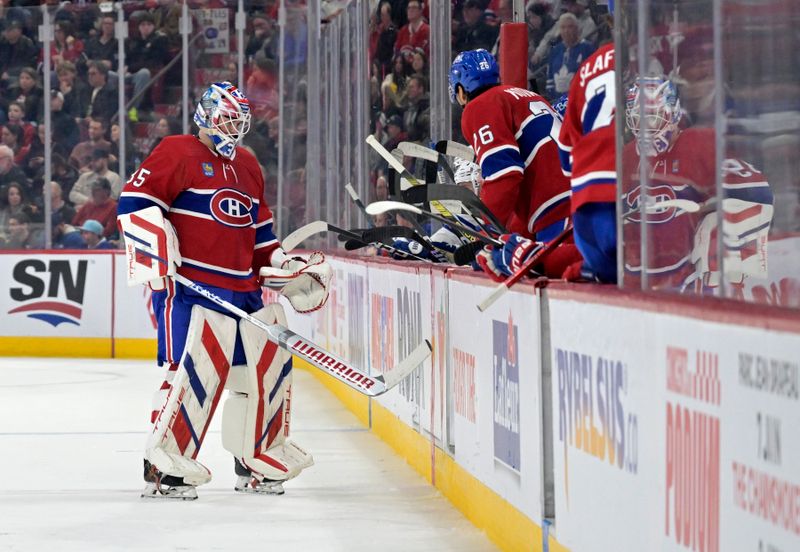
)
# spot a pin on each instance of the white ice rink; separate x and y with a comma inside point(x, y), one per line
point(71, 434)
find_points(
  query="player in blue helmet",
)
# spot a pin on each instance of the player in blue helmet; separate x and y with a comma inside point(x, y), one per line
point(511, 131)
point(472, 70)
point(224, 113)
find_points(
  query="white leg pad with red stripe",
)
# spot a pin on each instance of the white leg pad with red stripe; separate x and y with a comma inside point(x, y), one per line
point(197, 386)
point(255, 419)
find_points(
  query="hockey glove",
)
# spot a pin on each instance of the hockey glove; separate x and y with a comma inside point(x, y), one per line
point(501, 262)
point(305, 284)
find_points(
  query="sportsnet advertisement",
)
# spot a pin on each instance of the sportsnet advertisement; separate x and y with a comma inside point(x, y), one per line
point(56, 295)
point(684, 436)
point(496, 421)
point(400, 319)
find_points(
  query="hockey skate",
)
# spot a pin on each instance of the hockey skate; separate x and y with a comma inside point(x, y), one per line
point(248, 482)
point(166, 486)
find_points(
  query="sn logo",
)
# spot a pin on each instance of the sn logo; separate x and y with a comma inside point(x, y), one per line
point(38, 279)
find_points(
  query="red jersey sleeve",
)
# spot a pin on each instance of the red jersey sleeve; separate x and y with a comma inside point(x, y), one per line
point(158, 181)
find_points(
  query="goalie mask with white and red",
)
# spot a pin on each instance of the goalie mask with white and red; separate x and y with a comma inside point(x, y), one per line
point(224, 112)
point(662, 114)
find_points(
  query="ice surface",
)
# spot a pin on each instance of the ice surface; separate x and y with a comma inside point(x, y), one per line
point(71, 434)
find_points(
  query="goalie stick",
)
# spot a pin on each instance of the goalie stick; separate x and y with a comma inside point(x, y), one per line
point(318, 357)
point(501, 289)
point(384, 206)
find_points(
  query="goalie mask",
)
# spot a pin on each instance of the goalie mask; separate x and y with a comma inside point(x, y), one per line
point(662, 112)
point(225, 113)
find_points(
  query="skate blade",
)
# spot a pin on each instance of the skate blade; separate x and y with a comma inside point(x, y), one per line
point(252, 486)
point(170, 493)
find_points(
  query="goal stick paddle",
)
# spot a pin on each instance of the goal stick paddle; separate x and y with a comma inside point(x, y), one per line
point(318, 357)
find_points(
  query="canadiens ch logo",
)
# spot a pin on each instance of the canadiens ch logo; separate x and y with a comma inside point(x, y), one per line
point(50, 291)
point(208, 169)
point(232, 208)
point(655, 194)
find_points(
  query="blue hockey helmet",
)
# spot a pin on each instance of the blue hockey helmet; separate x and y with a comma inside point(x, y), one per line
point(473, 69)
point(225, 113)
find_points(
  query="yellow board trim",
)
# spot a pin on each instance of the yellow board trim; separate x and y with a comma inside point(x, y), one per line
point(73, 347)
point(506, 526)
point(135, 348)
point(77, 347)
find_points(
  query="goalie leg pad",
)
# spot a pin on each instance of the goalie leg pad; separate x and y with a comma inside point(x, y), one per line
point(197, 384)
point(255, 420)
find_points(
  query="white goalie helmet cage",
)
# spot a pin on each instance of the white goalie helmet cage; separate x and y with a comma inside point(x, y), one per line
point(225, 112)
point(662, 111)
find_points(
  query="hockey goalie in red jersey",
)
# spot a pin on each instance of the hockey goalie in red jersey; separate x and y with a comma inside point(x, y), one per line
point(681, 164)
point(200, 200)
point(512, 132)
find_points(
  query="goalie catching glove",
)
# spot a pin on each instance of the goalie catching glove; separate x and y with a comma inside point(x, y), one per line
point(305, 283)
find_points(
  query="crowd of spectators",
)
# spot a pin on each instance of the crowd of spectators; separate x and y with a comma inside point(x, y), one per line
point(561, 35)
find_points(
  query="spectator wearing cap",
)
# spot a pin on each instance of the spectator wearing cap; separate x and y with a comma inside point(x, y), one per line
point(415, 33)
point(566, 56)
point(75, 92)
point(27, 93)
point(394, 132)
point(101, 207)
point(20, 235)
point(82, 153)
point(474, 32)
point(82, 190)
point(103, 99)
point(16, 50)
point(66, 236)
point(92, 234)
point(65, 130)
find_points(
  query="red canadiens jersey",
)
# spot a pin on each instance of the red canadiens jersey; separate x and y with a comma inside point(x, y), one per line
point(216, 205)
point(686, 171)
point(510, 130)
point(587, 138)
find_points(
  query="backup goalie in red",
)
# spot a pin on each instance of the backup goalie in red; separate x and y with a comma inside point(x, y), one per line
point(200, 199)
point(681, 199)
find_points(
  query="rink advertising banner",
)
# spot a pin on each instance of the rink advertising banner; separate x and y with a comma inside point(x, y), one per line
point(676, 425)
point(400, 319)
point(496, 372)
point(58, 295)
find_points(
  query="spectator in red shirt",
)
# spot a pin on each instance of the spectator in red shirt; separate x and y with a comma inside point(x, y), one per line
point(416, 33)
point(100, 208)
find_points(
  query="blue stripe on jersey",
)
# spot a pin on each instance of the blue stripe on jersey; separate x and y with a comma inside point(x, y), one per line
point(496, 162)
point(566, 161)
point(760, 194)
point(592, 110)
point(534, 132)
point(592, 182)
point(201, 204)
point(265, 234)
point(128, 204)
